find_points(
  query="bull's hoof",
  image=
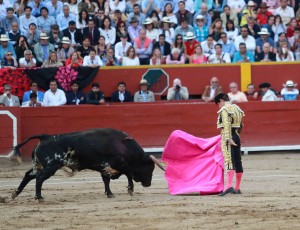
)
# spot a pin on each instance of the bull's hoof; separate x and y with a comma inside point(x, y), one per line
point(39, 198)
point(14, 194)
point(110, 195)
point(130, 191)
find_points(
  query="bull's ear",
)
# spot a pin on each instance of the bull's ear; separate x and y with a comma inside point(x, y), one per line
point(157, 162)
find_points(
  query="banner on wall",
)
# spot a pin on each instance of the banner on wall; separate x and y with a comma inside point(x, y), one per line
point(20, 78)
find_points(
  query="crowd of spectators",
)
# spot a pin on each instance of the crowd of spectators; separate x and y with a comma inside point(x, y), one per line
point(48, 33)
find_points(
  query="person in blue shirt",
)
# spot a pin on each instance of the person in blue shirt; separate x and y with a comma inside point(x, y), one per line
point(33, 89)
point(6, 46)
point(243, 55)
point(227, 45)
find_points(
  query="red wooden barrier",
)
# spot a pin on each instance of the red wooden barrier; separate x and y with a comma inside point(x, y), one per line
point(266, 124)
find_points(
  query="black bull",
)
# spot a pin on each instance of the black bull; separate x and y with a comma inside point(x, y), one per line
point(108, 151)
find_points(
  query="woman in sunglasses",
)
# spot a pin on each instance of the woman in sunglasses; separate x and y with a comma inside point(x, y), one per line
point(178, 43)
point(9, 61)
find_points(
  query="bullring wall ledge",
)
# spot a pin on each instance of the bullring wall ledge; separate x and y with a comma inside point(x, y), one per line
point(267, 124)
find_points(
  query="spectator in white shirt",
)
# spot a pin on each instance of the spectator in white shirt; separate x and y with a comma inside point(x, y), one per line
point(54, 96)
point(219, 56)
point(286, 12)
point(247, 39)
point(131, 59)
point(92, 60)
point(122, 47)
point(28, 60)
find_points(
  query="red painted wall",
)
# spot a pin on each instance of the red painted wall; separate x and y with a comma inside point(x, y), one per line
point(194, 77)
point(266, 124)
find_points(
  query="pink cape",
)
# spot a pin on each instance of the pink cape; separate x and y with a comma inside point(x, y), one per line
point(194, 165)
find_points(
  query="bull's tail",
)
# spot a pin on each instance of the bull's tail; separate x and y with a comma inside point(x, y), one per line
point(16, 154)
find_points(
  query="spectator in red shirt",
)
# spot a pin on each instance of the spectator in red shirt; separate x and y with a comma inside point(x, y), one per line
point(262, 14)
point(291, 29)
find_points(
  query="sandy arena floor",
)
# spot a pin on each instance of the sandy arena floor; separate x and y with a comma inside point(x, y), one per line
point(270, 200)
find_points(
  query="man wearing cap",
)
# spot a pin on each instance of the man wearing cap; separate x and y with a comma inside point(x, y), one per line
point(32, 102)
point(184, 28)
point(149, 5)
point(45, 21)
point(32, 35)
point(42, 49)
point(143, 47)
point(144, 95)
point(133, 28)
point(183, 13)
point(7, 99)
point(249, 12)
point(266, 55)
point(229, 14)
point(122, 47)
point(204, 12)
point(73, 34)
point(264, 38)
point(262, 14)
point(230, 122)
point(201, 30)
point(65, 51)
point(26, 20)
point(65, 17)
point(267, 93)
point(151, 31)
point(9, 19)
point(289, 92)
point(5, 46)
point(137, 14)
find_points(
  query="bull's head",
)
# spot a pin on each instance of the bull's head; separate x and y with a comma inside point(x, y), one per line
point(144, 174)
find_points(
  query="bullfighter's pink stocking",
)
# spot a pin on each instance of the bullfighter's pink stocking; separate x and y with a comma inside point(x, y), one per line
point(238, 180)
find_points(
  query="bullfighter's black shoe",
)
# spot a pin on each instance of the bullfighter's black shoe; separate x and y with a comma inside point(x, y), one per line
point(238, 191)
point(227, 191)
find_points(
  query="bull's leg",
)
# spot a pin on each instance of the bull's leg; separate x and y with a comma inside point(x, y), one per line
point(41, 176)
point(130, 184)
point(106, 181)
point(29, 175)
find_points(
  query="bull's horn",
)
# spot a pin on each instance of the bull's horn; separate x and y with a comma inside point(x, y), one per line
point(157, 162)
